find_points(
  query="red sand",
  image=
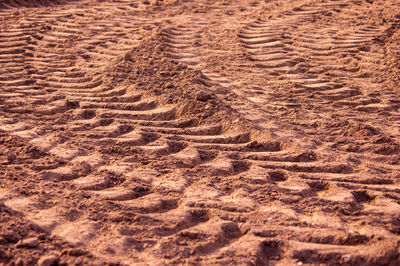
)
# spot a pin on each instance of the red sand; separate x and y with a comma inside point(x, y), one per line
point(199, 132)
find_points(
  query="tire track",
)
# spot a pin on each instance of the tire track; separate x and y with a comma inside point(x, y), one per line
point(135, 168)
point(111, 121)
point(323, 68)
point(265, 45)
point(293, 56)
point(271, 50)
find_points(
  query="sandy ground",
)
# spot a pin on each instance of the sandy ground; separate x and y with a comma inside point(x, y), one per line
point(199, 132)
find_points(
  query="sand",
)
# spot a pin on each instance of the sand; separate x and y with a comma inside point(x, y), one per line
point(199, 132)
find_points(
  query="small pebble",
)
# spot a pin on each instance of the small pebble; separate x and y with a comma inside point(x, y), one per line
point(48, 260)
point(203, 96)
point(11, 157)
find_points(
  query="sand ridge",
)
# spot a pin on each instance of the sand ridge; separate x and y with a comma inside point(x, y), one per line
point(199, 132)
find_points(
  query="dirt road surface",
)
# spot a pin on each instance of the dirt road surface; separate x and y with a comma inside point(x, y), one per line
point(201, 132)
